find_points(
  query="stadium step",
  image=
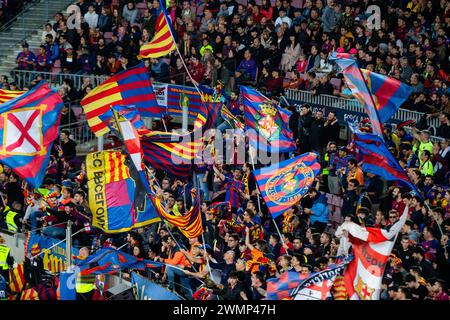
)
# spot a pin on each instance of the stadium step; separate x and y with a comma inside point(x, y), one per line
point(29, 28)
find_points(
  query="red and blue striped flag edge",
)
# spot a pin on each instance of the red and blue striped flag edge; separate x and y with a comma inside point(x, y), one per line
point(32, 166)
point(377, 158)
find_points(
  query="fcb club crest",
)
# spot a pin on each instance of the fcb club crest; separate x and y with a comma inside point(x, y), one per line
point(269, 125)
point(287, 187)
point(22, 134)
point(363, 290)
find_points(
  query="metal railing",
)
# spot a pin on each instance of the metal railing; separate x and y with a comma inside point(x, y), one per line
point(24, 77)
point(352, 105)
point(21, 19)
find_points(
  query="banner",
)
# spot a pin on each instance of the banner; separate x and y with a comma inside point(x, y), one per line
point(318, 285)
point(115, 199)
point(144, 289)
point(54, 259)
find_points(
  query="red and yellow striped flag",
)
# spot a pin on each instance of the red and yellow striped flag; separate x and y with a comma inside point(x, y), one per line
point(17, 278)
point(6, 95)
point(162, 43)
point(29, 294)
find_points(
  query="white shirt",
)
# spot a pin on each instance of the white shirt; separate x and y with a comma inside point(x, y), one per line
point(91, 19)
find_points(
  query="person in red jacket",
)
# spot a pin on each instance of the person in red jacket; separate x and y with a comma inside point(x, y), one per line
point(274, 85)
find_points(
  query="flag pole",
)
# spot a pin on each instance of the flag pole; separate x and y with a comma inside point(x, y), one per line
point(179, 54)
point(259, 201)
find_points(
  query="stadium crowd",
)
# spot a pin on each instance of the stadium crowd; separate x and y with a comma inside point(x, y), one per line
point(270, 47)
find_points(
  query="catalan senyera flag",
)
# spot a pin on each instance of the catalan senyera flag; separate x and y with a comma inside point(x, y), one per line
point(381, 96)
point(268, 122)
point(17, 278)
point(117, 196)
point(28, 128)
point(129, 87)
point(371, 248)
point(6, 95)
point(29, 294)
point(162, 43)
point(189, 224)
point(283, 184)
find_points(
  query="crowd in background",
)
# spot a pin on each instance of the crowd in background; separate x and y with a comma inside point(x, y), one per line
point(271, 48)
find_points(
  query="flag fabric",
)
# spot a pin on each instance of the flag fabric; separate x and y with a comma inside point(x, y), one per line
point(269, 122)
point(207, 116)
point(128, 87)
point(6, 95)
point(117, 197)
point(162, 43)
point(388, 93)
point(110, 261)
point(29, 294)
point(380, 95)
point(318, 285)
point(371, 249)
point(281, 288)
point(17, 278)
point(377, 159)
point(171, 152)
point(28, 127)
point(189, 224)
point(283, 184)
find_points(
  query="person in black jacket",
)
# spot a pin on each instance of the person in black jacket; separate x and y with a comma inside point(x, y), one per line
point(331, 129)
point(350, 198)
point(316, 132)
point(306, 119)
point(233, 290)
point(294, 122)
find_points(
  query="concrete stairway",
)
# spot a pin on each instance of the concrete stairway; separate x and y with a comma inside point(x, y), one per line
point(28, 26)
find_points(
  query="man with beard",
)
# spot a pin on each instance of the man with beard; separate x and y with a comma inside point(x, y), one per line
point(306, 120)
point(317, 127)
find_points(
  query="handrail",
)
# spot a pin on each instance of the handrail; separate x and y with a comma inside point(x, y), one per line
point(8, 23)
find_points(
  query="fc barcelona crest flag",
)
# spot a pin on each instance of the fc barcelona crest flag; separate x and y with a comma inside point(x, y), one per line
point(28, 127)
point(283, 184)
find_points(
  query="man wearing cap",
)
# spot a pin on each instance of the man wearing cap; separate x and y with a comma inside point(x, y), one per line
point(25, 59)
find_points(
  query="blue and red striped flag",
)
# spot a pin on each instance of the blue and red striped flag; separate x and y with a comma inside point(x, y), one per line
point(110, 261)
point(281, 288)
point(377, 158)
point(381, 96)
point(129, 87)
point(283, 184)
point(28, 127)
point(269, 122)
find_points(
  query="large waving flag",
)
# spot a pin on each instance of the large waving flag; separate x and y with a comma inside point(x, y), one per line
point(283, 184)
point(129, 87)
point(269, 122)
point(117, 196)
point(377, 158)
point(227, 116)
point(110, 261)
point(28, 127)
point(189, 224)
point(380, 95)
point(162, 43)
point(6, 95)
point(371, 250)
point(318, 285)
